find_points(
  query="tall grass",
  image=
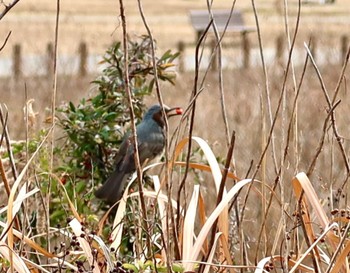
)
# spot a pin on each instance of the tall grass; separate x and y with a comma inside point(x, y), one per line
point(255, 180)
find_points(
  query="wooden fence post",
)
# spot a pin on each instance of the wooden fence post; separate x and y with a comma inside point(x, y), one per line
point(344, 40)
point(181, 49)
point(279, 48)
point(246, 50)
point(50, 57)
point(83, 55)
point(17, 61)
point(214, 64)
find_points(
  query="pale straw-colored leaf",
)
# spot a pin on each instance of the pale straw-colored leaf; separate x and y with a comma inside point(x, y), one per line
point(10, 212)
point(29, 242)
point(41, 268)
point(118, 225)
point(212, 253)
point(310, 193)
point(214, 215)
point(77, 230)
point(105, 249)
point(18, 201)
point(260, 267)
point(17, 263)
point(313, 246)
point(301, 183)
point(223, 222)
point(342, 259)
point(261, 264)
point(188, 229)
point(202, 218)
point(162, 213)
point(214, 165)
point(203, 167)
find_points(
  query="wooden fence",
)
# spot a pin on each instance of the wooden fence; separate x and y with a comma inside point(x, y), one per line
point(280, 49)
point(17, 60)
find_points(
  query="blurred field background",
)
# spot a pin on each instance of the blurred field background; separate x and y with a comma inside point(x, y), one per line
point(96, 23)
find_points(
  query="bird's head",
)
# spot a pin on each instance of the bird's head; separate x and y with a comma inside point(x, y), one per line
point(155, 112)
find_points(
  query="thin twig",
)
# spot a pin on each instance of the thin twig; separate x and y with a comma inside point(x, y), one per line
point(8, 8)
point(283, 88)
point(286, 149)
point(321, 142)
point(267, 89)
point(193, 95)
point(166, 128)
point(330, 106)
point(5, 135)
point(223, 183)
point(5, 42)
point(218, 48)
point(133, 126)
point(53, 114)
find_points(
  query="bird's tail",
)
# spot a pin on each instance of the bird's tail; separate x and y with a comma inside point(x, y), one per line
point(112, 190)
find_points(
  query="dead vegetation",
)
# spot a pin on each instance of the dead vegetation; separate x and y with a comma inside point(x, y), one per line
point(282, 202)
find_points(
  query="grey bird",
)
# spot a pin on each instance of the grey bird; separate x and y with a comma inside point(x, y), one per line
point(151, 142)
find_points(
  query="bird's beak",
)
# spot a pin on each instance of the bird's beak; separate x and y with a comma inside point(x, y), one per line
point(175, 111)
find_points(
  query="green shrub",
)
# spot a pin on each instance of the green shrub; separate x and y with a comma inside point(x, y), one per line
point(93, 129)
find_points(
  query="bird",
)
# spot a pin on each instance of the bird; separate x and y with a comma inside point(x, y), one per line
point(151, 142)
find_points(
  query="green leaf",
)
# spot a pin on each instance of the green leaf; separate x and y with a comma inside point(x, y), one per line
point(131, 267)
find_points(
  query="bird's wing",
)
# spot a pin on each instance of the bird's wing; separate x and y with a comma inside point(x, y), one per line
point(150, 148)
point(126, 143)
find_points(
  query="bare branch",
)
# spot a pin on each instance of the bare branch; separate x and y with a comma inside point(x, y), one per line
point(133, 126)
point(8, 8)
point(5, 42)
point(331, 107)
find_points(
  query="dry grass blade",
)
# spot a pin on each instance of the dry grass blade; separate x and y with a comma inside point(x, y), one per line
point(105, 249)
point(304, 192)
point(20, 200)
point(214, 166)
point(313, 246)
point(214, 215)
point(303, 188)
point(116, 236)
point(212, 252)
point(10, 212)
point(261, 264)
point(342, 259)
point(216, 173)
point(16, 261)
point(77, 229)
point(29, 242)
point(188, 229)
point(71, 205)
point(39, 268)
point(203, 167)
point(162, 212)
